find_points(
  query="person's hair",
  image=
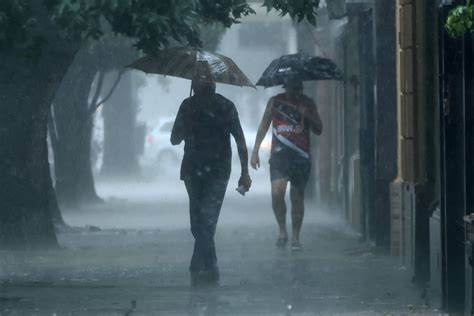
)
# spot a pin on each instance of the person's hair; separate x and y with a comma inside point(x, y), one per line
point(203, 87)
point(294, 85)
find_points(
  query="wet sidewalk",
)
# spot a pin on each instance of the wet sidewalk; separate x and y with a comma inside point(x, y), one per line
point(141, 268)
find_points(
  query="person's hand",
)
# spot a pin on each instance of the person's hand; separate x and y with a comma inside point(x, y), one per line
point(255, 160)
point(245, 181)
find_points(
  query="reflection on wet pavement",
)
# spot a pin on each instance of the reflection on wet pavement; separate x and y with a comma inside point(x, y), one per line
point(135, 270)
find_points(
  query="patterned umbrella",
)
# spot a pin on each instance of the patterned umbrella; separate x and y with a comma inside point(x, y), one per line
point(301, 67)
point(192, 63)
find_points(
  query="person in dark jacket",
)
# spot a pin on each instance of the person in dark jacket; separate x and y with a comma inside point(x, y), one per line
point(205, 123)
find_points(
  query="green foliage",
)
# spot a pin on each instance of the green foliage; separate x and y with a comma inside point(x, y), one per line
point(227, 12)
point(17, 24)
point(153, 24)
point(296, 9)
point(110, 52)
point(460, 20)
point(211, 35)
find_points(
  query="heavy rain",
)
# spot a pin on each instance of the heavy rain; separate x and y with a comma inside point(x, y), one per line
point(244, 157)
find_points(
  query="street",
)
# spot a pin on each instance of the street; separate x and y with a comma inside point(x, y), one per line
point(131, 255)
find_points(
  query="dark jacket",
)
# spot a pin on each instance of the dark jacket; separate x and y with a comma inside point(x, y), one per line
point(205, 123)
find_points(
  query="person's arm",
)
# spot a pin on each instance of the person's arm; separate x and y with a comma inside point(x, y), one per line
point(238, 134)
point(178, 131)
point(262, 131)
point(312, 115)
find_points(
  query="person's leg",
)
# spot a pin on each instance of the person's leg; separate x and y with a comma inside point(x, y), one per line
point(279, 206)
point(193, 188)
point(297, 211)
point(299, 175)
point(211, 203)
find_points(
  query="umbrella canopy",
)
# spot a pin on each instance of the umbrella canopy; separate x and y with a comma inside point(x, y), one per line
point(301, 67)
point(191, 63)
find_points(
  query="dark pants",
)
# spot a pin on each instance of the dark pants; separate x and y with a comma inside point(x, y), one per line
point(291, 166)
point(205, 200)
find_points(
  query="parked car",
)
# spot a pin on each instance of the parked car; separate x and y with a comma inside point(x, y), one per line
point(158, 151)
point(265, 147)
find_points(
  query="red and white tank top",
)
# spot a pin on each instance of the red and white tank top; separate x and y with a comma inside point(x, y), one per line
point(290, 131)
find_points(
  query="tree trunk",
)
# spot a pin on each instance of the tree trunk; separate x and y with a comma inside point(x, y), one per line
point(27, 89)
point(73, 126)
point(74, 178)
point(53, 200)
point(56, 215)
point(25, 215)
point(121, 132)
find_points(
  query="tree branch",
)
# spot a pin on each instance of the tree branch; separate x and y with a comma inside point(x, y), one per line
point(98, 90)
point(93, 108)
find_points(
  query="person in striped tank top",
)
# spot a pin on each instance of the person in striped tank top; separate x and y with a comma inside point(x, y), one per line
point(293, 116)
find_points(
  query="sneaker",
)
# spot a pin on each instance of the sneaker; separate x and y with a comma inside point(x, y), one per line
point(281, 242)
point(296, 246)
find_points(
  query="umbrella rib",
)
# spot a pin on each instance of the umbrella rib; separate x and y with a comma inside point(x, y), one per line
point(182, 62)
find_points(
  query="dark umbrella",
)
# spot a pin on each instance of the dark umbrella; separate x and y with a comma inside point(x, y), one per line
point(191, 63)
point(301, 67)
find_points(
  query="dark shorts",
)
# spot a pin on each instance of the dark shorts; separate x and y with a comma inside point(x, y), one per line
point(292, 167)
